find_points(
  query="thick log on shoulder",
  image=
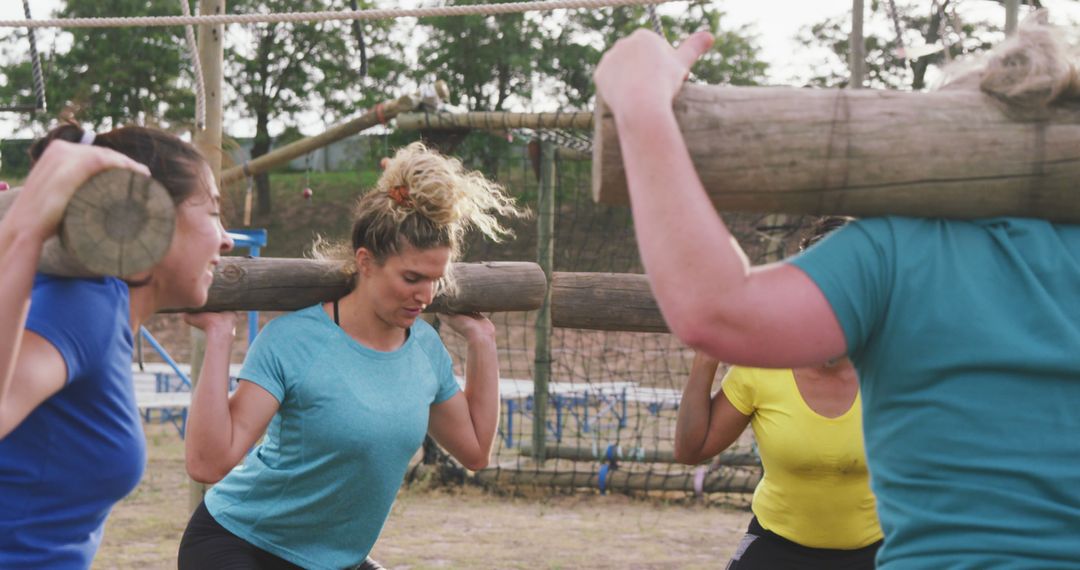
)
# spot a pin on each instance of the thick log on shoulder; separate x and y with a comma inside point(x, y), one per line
point(271, 284)
point(721, 480)
point(556, 451)
point(604, 301)
point(117, 223)
point(865, 153)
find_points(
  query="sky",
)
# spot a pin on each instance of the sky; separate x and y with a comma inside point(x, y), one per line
point(775, 22)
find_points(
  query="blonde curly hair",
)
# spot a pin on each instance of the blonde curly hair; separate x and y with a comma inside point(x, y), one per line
point(425, 200)
point(1030, 72)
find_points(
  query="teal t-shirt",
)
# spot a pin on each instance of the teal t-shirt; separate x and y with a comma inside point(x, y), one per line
point(966, 336)
point(319, 487)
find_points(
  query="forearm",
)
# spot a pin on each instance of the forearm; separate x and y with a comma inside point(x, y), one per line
point(19, 253)
point(695, 410)
point(689, 255)
point(209, 440)
point(482, 392)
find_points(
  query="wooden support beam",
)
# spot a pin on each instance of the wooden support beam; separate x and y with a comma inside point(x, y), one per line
point(555, 451)
point(722, 480)
point(117, 223)
point(495, 121)
point(380, 114)
point(604, 301)
point(273, 284)
point(952, 154)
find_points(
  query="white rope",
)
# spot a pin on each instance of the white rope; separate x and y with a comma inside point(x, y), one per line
point(196, 65)
point(373, 14)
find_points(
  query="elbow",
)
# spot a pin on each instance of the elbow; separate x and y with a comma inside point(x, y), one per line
point(476, 462)
point(204, 472)
point(686, 456)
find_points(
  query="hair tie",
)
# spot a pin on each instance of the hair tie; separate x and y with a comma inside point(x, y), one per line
point(88, 137)
point(400, 195)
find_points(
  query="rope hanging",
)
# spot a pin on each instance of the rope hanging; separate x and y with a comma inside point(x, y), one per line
point(200, 86)
point(374, 14)
point(35, 61)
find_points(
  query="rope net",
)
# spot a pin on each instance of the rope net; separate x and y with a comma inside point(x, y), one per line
point(613, 396)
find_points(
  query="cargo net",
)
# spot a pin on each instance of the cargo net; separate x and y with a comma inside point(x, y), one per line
point(613, 396)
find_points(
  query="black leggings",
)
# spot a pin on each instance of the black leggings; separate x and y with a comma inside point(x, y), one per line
point(764, 550)
point(207, 544)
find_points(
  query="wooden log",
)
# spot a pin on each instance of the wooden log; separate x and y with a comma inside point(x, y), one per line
point(380, 114)
point(635, 455)
point(605, 301)
point(494, 121)
point(117, 223)
point(722, 480)
point(863, 152)
point(271, 284)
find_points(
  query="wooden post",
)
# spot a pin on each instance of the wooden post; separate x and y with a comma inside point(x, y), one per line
point(951, 154)
point(208, 140)
point(857, 56)
point(545, 257)
point(1012, 16)
point(382, 113)
point(271, 284)
point(118, 223)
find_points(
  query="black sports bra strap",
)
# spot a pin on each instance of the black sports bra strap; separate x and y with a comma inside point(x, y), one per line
point(337, 321)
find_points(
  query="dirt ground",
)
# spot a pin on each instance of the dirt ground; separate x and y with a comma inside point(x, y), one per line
point(457, 528)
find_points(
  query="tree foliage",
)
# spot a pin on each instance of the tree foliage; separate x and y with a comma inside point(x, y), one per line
point(107, 77)
point(939, 24)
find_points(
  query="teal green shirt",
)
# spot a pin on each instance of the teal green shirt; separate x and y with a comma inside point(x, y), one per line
point(966, 336)
point(318, 489)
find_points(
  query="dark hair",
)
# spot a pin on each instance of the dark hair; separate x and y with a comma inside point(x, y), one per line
point(822, 227)
point(172, 162)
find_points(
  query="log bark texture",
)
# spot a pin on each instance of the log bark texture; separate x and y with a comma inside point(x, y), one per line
point(271, 284)
point(117, 223)
point(954, 154)
point(604, 301)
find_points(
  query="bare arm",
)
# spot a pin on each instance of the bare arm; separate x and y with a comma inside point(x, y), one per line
point(706, 424)
point(31, 369)
point(221, 429)
point(712, 299)
point(465, 425)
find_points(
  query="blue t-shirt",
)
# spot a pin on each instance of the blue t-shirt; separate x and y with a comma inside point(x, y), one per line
point(966, 336)
point(319, 487)
point(83, 449)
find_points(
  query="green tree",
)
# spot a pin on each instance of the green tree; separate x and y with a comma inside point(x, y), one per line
point(938, 25)
point(577, 47)
point(97, 80)
point(278, 70)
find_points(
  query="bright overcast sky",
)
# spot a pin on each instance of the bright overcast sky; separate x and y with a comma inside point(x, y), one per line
point(776, 23)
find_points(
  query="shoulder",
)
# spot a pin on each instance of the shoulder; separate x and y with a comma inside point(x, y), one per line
point(428, 341)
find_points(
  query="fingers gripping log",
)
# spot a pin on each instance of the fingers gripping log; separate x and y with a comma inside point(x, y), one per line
point(269, 284)
point(117, 223)
point(949, 154)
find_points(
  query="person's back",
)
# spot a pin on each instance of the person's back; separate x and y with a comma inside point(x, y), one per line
point(966, 336)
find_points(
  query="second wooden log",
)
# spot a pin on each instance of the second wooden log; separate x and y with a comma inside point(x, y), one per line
point(952, 154)
point(270, 284)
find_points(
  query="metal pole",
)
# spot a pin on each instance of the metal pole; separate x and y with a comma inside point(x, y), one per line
point(208, 141)
point(857, 59)
point(545, 257)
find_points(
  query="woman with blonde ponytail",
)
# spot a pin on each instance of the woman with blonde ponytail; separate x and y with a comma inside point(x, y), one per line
point(345, 392)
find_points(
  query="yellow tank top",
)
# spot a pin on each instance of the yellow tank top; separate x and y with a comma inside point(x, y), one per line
point(816, 488)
